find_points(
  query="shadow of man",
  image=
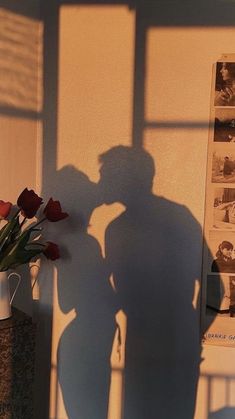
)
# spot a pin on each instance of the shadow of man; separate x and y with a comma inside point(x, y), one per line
point(153, 250)
point(85, 346)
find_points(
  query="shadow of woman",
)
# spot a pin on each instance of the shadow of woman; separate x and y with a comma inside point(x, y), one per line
point(85, 346)
point(153, 250)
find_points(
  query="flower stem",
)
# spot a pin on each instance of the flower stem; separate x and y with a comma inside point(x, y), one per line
point(22, 222)
point(36, 244)
point(17, 213)
point(39, 222)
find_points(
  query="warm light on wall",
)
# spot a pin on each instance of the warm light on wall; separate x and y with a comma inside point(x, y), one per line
point(20, 100)
point(20, 61)
point(95, 111)
point(94, 114)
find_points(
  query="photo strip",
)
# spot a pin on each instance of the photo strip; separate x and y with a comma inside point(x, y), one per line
point(218, 270)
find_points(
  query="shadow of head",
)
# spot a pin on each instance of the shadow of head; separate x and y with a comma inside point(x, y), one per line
point(125, 174)
point(75, 187)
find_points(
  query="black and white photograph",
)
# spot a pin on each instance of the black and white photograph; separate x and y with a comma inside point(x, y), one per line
point(221, 295)
point(222, 257)
point(224, 125)
point(225, 84)
point(224, 208)
point(223, 164)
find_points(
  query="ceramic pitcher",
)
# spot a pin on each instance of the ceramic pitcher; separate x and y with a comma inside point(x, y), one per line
point(5, 297)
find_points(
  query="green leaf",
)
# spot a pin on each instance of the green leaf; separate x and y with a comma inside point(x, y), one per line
point(19, 257)
point(13, 244)
point(12, 226)
point(21, 242)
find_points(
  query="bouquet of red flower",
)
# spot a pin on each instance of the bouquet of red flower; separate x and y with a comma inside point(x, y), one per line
point(18, 243)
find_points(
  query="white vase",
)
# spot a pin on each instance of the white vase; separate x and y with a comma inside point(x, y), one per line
point(5, 297)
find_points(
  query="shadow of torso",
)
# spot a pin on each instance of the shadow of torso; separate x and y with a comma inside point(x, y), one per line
point(86, 344)
point(154, 252)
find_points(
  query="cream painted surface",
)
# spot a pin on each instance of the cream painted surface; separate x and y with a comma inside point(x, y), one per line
point(95, 113)
point(96, 83)
point(20, 60)
point(20, 97)
point(20, 107)
point(18, 156)
point(20, 91)
point(182, 60)
point(179, 71)
point(178, 88)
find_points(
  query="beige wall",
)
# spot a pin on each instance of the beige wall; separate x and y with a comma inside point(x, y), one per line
point(20, 107)
point(96, 70)
point(20, 98)
point(94, 113)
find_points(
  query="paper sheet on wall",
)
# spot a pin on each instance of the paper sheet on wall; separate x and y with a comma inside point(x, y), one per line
point(218, 286)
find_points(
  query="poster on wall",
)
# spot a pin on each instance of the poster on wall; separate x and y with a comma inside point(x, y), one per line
point(218, 284)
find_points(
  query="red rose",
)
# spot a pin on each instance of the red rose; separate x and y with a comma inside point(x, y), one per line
point(52, 251)
point(53, 211)
point(5, 208)
point(29, 202)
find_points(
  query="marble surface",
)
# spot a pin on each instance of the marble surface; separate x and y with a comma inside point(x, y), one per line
point(17, 352)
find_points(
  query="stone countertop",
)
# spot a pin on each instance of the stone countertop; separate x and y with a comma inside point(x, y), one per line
point(18, 318)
